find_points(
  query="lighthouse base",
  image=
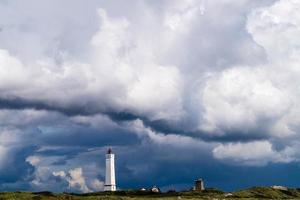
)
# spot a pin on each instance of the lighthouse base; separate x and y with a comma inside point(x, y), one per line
point(110, 188)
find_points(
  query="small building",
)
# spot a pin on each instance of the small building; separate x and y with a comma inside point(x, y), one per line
point(155, 189)
point(199, 185)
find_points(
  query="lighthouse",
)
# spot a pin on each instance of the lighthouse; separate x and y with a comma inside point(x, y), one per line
point(110, 179)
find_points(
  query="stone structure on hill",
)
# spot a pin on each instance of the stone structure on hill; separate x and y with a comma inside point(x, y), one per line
point(199, 185)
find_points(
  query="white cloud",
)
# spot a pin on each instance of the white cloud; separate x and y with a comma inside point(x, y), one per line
point(252, 153)
point(97, 185)
point(131, 65)
point(120, 74)
point(135, 72)
point(12, 72)
point(262, 99)
point(276, 28)
point(33, 160)
point(50, 172)
point(60, 174)
point(181, 14)
point(76, 180)
point(242, 98)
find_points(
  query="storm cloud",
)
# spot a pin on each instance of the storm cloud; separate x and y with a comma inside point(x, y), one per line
point(187, 88)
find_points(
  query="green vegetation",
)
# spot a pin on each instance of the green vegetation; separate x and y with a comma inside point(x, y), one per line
point(212, 194)
point(267, 193)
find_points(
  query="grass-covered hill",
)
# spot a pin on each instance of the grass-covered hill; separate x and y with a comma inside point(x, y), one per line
point(252, 193)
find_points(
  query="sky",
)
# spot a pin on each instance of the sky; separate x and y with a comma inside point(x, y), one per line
point(179, 89)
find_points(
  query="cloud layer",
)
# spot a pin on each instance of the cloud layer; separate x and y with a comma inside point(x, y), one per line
point(215, 78)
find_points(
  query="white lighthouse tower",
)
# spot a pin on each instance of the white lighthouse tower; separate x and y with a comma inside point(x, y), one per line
point(110, 179)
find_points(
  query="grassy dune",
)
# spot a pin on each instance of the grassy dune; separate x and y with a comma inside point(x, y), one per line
point(252, 193)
